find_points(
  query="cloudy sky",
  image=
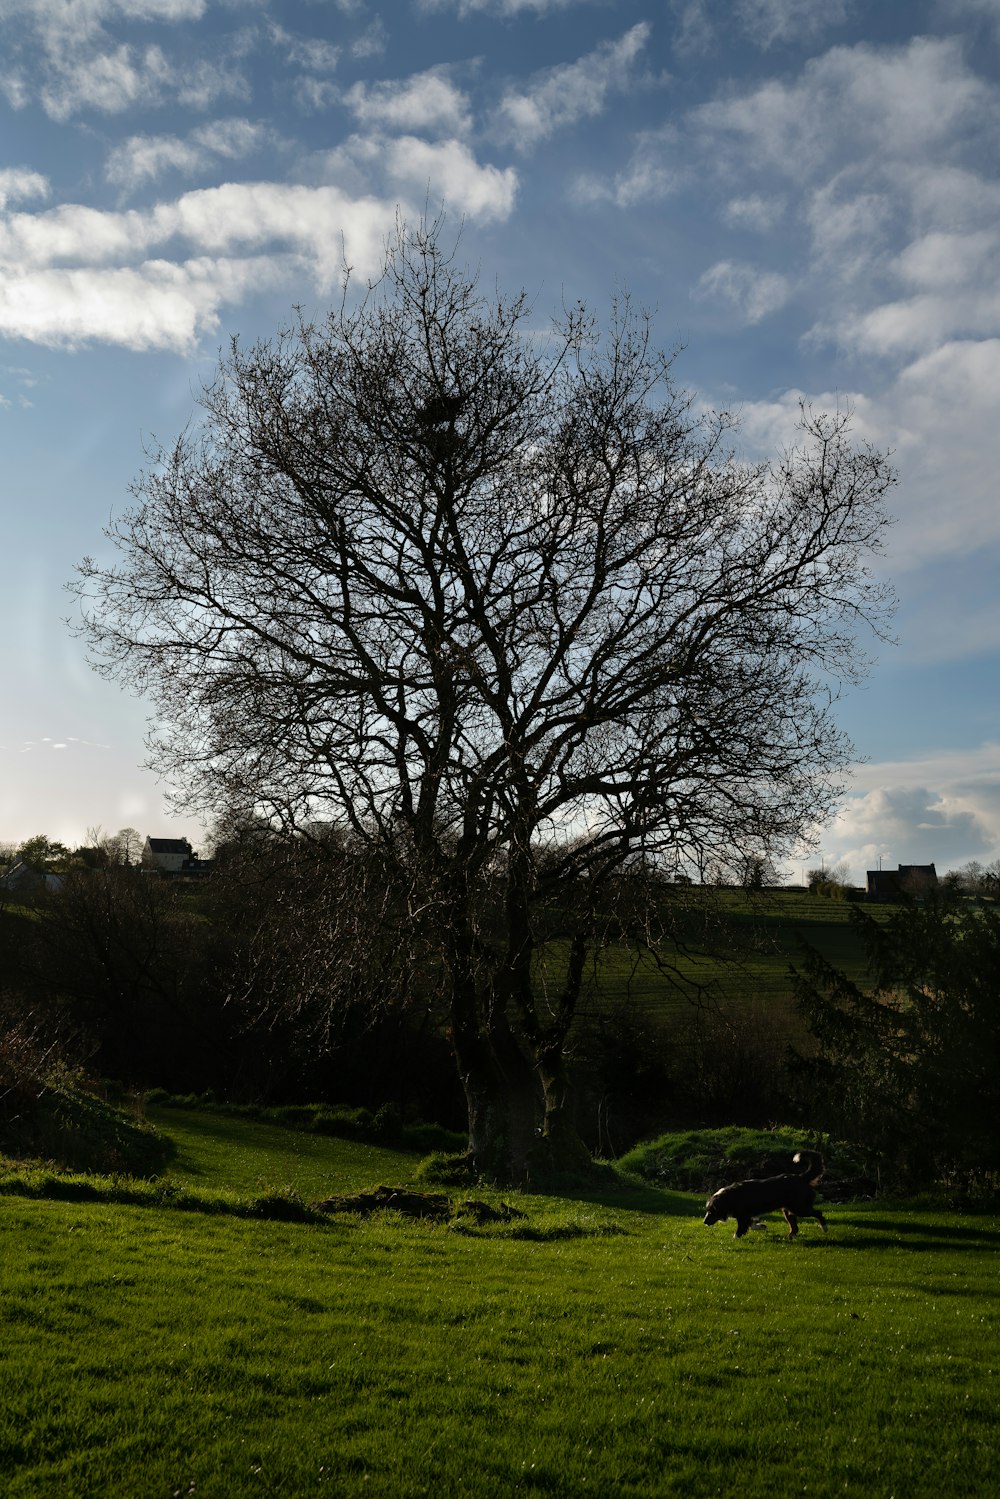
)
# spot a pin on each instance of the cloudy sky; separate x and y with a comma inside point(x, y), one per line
point(807, 193)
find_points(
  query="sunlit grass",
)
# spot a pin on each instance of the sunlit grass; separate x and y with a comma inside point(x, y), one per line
point(611, 1345)
point(250, 1157)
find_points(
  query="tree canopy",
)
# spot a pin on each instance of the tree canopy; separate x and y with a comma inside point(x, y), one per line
point(504, 613)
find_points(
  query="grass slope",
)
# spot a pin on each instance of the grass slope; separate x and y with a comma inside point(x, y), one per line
point(250, 1157)
point(610, 1346)
point(742, 957)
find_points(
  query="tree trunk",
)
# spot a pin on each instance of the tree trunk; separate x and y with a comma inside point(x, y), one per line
point(504, 1101)
point(561, 1149)
point(521, 1128)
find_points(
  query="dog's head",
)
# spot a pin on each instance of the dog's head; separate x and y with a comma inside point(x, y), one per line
point(715, 1209)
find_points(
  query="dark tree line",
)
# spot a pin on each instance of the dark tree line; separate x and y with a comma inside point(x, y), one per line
point(235, 985)
point(908, 1062)
point(241, 986)
point(121, 976)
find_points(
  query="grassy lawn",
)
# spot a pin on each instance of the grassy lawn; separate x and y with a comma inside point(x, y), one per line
point(250, 1158)
point(610, 1345)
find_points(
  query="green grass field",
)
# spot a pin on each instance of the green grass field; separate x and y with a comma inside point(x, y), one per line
point(603, 1344)
point(750, 944)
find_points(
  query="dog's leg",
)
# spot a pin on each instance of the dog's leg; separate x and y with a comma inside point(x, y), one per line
point(742, 1224)
point(792, 1221)
point(820, 1219)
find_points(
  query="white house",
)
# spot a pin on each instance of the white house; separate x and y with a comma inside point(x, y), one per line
point(171, 855)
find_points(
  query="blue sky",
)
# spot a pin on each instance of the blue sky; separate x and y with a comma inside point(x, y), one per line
point(806, 191)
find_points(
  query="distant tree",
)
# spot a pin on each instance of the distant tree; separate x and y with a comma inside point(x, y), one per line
point(975, 878)
point(43, 853)
point(829, 882)
point(909, 1062)
point(123, 847)
point(509, 614)
point(757, 871)
point(126, 846)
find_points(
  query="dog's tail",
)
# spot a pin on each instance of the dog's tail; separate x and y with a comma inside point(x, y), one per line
point(812, 1165)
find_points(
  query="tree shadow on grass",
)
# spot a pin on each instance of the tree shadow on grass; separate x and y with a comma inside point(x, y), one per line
point(614, 1191)
point(866, 1234)
point(951, 1235)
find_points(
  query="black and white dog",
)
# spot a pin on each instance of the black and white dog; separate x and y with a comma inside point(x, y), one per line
point(794, 1194)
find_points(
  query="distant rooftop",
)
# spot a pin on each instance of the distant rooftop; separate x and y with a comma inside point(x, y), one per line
point(907, 879)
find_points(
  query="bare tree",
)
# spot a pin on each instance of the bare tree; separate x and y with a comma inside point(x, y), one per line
point(123, 847)
point(508, 612)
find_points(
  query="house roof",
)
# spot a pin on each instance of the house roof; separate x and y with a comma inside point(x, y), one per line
point(22, 876)
point(168, 845)
point(904, 871)
point(910, 879)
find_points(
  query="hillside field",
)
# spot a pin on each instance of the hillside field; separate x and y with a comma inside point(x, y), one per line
point(604, 1343)
point(744, 949)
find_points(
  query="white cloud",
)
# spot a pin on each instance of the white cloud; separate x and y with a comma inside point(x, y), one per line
point(944, 408)
point(770, 21)
point(426, 101)
point(372, 41)
point(156, 304)
point(19, 183)
point(754, 293)
point(199, 87)
point(75, 274)
point(941, 808)
point(448, 170)
point(943, 194)
point(65, 53)
point(938, 415)
point(561, 96)
point(130, 307)
point(314, 94)
point(922, 323)
point(849, 227)
point(942, 260)
point(652, 174)
point(109, 81)
point(82, 18)
point(142, 158)
point(700, 23)
point(441, 171)
point(878, 155)
point(756, 211)
point(950, 285)
point(157, 277)
point(310, 53)
point(694, 29)
point(858, 140)
point(504, 8)
point(232, 139)
point(899, 102)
